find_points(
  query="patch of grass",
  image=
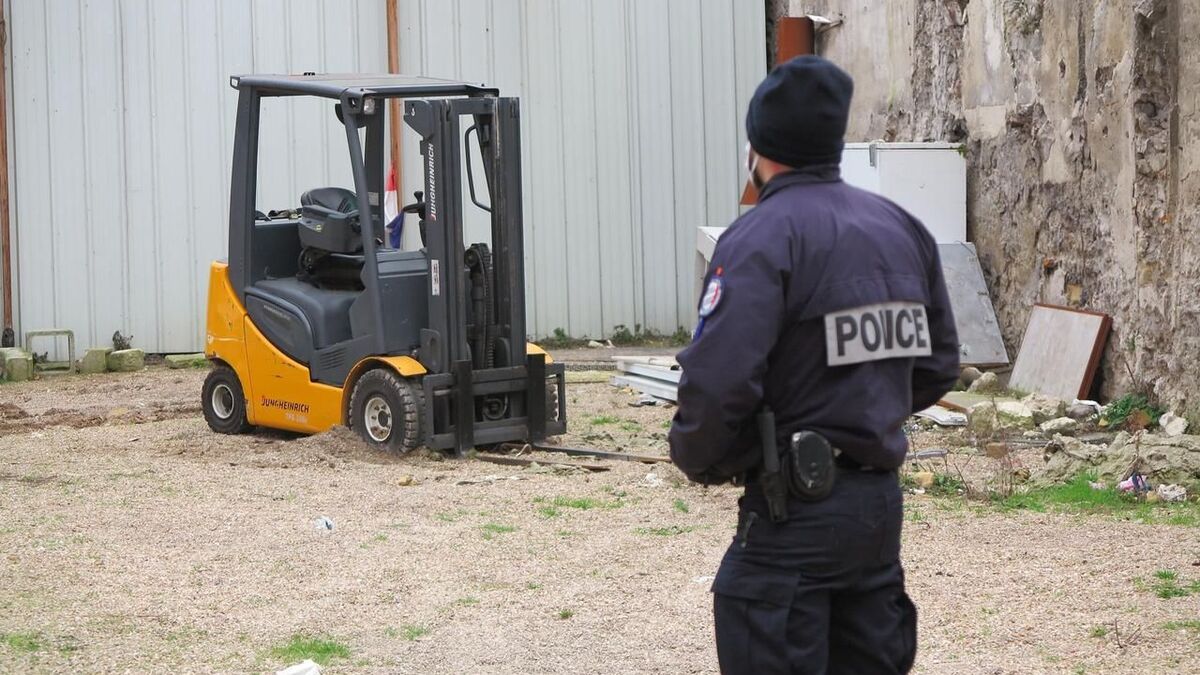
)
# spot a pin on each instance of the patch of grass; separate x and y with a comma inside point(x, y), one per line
point(412, 632)
point(533, 586)
point(565, 614)
point(1099, 631)
point(381, 537)
point(1187, 624)
point(549, 512)
point(614, 491)
point(668, 531)
point(492, 529)
point(1165, 575)
point(565, 533)
point(632, 427)
point(600, 420)
point(581, 503)
point(467, 601)
point(22, 642)
point(1078, 496)
point(322, 649)
point(681, 506)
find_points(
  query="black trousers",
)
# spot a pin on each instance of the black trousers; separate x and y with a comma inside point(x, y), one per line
point(822, 592)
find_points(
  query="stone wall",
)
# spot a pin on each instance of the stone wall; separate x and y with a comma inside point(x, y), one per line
point(1082, 125)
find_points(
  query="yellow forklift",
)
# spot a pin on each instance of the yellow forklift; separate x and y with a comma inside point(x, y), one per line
point(314, 322)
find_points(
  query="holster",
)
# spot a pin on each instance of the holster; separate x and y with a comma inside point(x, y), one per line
point(808, 468)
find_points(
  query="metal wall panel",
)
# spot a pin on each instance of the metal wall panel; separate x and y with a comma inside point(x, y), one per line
point(122, 135)
point(122, 123)
point(632, 137)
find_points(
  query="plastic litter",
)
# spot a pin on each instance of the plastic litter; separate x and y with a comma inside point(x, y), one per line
point(323, 523)
point(305, 667)
point(1135, 483)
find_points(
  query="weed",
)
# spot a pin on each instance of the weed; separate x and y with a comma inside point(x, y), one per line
point(946, 485)
point(549, 512)
point(533, 586)
point(321, 649)
point(566, 613)
point(681, 506)
point(632, 427)
point(21, 642)
point(600, 420)
point(1165, 575)
point(467, 602)
point(666, 424)
point(381, 537)
point(565, 533)
point(1132, 411)
point(560, 340)
point(1099, 631)
point(609, 489)
point(1188, 624)
point(669, 531)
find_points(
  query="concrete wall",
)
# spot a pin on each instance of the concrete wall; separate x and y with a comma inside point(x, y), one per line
point(1082, 121)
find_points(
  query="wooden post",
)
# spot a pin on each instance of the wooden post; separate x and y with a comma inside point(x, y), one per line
point(393, 47)
point(793, 37)
point(5, 242)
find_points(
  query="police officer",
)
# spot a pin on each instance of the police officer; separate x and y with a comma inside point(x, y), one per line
point(823, 325)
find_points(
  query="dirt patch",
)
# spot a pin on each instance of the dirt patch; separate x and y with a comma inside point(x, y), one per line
point(165, 547)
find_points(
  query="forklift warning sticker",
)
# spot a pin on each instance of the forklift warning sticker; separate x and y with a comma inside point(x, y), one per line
point(890, 330)
point(435, 277)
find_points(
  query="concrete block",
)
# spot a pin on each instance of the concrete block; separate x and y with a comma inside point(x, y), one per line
point(126, 360)
point(186, 361)
point(18, 368)
point(95, 360)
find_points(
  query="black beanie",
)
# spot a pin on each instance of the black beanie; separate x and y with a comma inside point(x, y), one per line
point(798, 114)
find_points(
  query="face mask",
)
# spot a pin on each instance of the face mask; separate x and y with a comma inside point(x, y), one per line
point(751, 166)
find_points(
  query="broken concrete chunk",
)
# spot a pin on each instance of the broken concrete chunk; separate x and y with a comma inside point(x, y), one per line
point(1060, 425)
point(186, 360)
point(18, 368)
point(1045, 408)
point(126, 360)
point(1014, 415)
point(1172, 425)
point(988, 383)
point(94, 361)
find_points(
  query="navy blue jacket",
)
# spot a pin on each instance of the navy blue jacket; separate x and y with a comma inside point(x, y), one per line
point(814, 246)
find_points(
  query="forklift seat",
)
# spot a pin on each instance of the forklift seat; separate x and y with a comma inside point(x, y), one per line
point(332, 198)
point(327, 311)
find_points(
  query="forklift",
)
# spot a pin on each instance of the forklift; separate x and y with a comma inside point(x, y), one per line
point(313, 322)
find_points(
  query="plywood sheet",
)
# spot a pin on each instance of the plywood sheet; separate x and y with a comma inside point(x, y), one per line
point(1060, 352)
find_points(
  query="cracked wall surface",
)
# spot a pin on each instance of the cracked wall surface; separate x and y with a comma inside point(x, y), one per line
point(1082, 125)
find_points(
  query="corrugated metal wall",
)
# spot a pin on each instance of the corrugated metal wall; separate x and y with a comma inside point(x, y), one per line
point(122, 123)
point(632, 130)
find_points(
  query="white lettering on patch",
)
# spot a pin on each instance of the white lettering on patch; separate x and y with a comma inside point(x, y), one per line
point(889, 330)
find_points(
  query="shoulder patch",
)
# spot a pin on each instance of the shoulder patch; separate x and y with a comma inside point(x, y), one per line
point(889, 330)
point(712, 297)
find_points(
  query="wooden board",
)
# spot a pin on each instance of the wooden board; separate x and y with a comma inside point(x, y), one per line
point(1060, 352)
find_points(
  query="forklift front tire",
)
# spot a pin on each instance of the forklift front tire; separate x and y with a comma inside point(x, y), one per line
point(385, 411)
point(224, 402)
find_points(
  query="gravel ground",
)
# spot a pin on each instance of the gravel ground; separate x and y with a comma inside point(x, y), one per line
point(133, 539)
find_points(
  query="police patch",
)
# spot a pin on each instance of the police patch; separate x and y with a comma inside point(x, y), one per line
point(889, 330)
point(712, 297)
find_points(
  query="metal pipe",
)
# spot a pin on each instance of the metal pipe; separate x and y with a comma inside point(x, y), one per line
point(393, 47)
point(5, 242)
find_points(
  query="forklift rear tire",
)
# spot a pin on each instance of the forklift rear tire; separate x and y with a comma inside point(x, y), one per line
point(385, 411)
point(224, 402)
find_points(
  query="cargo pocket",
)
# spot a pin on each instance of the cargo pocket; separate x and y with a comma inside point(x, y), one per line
point(906, 636)
point(750, 612)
